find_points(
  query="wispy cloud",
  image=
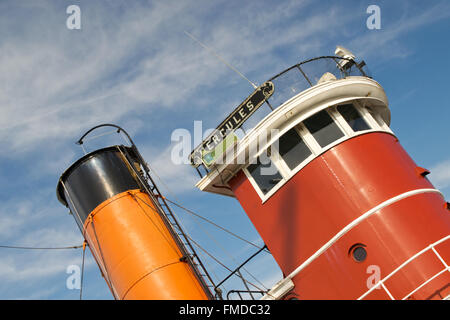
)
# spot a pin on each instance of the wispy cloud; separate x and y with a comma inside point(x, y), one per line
point(170, 177)
point(440, 174)
point(398, 20)
point(106, 71)
point(133, 65)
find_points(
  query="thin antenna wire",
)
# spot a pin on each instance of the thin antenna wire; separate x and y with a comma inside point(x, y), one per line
point(40, 248)
point(220, 58)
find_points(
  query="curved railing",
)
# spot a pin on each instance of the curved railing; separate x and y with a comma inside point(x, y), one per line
point(294, 80)
point(427, 249)
point(283, 286)
point(308, 73)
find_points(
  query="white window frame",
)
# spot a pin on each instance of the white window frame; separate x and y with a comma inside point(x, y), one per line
point(316, 150)
point(366, 114)
point(375, 118)
point(276, 187)
point(283, 163)
point(310, 142)
point(336, 142)
point(348, 129)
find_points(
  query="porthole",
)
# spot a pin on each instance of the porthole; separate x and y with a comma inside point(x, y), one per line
point(358, 252)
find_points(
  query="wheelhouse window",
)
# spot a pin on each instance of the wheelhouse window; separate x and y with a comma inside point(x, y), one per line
point(323, 128)
point(377, 117)
point(293, 149)
point(308, 139)
point(265, 174)
point(353, 117)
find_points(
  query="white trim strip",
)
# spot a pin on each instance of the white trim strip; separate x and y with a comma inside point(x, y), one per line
point(354, 223)
point(439, 256)
point(387, 291)
point(425, 283)
point(404, 264)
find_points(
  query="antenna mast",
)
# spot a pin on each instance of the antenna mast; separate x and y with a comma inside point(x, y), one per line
point(220, 58)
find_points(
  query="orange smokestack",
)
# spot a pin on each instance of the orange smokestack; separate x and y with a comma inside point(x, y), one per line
point(134, 243)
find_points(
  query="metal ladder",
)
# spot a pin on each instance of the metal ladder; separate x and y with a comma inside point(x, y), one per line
point(174, 226)
point(131, 155)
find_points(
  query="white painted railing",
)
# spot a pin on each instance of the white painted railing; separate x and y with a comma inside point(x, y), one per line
point(286, 284)
point(430, 247)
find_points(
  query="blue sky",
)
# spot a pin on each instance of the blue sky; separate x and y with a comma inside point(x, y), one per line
point(132, 64)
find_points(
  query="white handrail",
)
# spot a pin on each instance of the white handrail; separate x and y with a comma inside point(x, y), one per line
point(425, 283)
point(356, 222)
point(431, 246)
point(346, 229)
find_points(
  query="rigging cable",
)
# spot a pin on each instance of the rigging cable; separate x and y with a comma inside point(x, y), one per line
point(171, 245)
point(83, 246)
point(106, 272)
point(223, 265)
point(209, 254)
point(147, 204)
point(199, 216)
point(41, 248)
point(82, 270)
point(212, 223)
point(231, 256)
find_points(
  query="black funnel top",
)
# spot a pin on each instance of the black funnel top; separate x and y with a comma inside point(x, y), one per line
point(95, 178)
